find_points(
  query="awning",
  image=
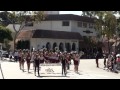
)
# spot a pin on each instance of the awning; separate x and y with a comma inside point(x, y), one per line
point(49, 34)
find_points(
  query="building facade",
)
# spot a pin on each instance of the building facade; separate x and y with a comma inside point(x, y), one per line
point(66, 22)
point(65, 41)
point(60, 24)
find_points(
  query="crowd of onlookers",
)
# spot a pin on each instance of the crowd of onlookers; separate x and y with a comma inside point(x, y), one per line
point(111, 61)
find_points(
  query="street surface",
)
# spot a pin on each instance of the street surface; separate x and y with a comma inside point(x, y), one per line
point(87, 70)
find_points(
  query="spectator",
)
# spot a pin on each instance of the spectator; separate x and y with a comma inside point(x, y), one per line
point(11, 54)
point(105, 56)
point(118, 62)
point(97, 58)
point(16, 56)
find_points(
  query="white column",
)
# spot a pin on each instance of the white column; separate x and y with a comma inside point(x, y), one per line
point(77, 46)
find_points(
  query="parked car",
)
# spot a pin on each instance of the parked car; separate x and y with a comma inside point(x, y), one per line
point(4, 53)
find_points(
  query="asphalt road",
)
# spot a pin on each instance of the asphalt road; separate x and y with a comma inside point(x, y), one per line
point(87, 70)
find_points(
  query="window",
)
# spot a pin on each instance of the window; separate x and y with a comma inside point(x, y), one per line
point(29, 24)
point(90, 36)
point(65, 23)
point(85, 25)
point(91, 25)
point(79, 24)
point(84, 37)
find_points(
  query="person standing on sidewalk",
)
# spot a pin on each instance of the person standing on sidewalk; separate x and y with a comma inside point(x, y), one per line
point(97, 58)
point(105, 57)
point(114, 64)
point(118, 62)
point(0, 55)
point(10, 56)
point(16, 56)
point(33, 57)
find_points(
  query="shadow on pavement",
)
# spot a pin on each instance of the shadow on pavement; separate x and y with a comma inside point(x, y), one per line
point(51, 76)
point(101, 68)
point(30, 73)
point(79, 74)
point(50, 73)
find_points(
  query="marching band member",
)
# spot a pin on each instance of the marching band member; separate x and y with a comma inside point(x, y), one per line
point(20, 57)
point(28, 58)
point(97, 58)
point(36, 63)
point(23, 59)
point(68, 61)
point(32, 58)
point(42, 58)
point(64, 62)
point(76, 59)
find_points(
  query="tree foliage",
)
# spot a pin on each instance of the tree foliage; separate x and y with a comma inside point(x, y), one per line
point(3, 18)
point(110, 24)
point(23, 17)
point(105, 24)
point(6, 44)
point(5, 33)
point(106, 21)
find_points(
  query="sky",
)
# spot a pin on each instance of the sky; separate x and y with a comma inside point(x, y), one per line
point(71, 12)
point(78, 13)
point(75, 12)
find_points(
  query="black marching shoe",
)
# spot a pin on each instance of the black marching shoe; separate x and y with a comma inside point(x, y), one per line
point(65, 73)
point(38, 75)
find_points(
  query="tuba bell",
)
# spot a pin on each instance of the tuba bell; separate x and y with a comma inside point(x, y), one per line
point(56, 49)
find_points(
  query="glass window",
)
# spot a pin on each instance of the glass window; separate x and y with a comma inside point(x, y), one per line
point(65, 23)
point(85, 25)
point(29, 24)
point(79, 24)
point(91, 25)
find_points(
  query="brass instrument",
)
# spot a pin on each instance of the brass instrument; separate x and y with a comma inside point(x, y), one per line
point(56, 49)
